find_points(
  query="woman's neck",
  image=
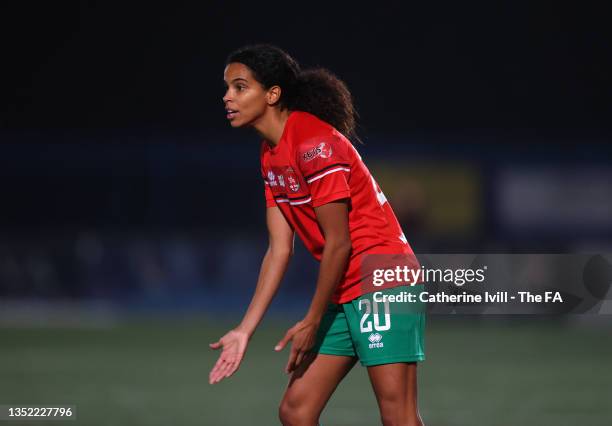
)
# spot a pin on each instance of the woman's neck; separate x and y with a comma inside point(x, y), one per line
point(271, 125)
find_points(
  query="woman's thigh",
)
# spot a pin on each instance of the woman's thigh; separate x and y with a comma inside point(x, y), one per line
point(395, 386)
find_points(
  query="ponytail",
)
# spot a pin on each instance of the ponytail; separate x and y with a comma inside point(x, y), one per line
point(321, 93)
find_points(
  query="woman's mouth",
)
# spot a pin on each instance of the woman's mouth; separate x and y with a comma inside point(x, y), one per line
point(230, 113)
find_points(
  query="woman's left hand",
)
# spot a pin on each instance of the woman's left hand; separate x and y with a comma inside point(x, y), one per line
point(302, 335)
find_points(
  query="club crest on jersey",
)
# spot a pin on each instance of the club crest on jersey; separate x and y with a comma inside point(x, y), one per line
point(292, 181)
point(322, 150)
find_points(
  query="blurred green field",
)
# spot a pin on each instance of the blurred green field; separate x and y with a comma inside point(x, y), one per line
point(523, 372)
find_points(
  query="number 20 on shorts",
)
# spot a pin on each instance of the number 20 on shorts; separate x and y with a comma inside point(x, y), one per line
point(371, 307)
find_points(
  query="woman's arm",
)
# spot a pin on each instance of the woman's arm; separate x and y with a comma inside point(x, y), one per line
point(273, 267)
point(333, 219)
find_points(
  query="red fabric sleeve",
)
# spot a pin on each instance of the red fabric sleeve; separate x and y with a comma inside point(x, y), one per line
point(267, 191)
point(269, 197)
point(325, 164)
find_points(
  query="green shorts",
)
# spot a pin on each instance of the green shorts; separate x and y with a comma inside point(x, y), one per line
point(375, 331)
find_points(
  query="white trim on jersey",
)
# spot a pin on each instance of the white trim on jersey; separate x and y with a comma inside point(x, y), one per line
point(337, 169)
point(293, 203)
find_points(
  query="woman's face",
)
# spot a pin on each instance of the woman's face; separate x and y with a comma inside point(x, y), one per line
point(245, 98)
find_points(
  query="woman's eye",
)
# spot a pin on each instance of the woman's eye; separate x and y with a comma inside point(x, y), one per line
point(240, 88)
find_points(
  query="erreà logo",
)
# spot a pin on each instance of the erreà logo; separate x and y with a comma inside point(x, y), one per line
point(322, 150)
point(375, 340)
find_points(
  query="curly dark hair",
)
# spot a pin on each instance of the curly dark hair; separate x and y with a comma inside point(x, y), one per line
point(317, 91)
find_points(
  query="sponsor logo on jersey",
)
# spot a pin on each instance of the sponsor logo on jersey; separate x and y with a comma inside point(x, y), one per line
point(292, 180)
point(375, 341)
point(272, 178)
point(322, 150)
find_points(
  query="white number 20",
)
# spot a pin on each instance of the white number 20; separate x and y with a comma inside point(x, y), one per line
point(366, 326)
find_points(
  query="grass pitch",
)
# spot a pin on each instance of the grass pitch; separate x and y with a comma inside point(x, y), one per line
point(490, 373)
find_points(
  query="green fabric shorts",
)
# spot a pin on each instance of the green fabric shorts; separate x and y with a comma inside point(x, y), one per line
point(376, 331)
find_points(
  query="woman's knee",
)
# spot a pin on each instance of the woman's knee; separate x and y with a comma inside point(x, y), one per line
point(395, 413)
point(292, 413)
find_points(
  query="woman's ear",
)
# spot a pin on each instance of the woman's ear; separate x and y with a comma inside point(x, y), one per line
point(273, 95)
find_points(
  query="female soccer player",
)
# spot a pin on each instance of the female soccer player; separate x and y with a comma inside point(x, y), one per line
point(317, 185)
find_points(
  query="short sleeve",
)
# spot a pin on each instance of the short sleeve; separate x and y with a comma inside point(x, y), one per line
point(270, 202)
point(324, 162)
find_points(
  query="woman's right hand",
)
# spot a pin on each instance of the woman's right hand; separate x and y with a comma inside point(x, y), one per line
point(234, 344)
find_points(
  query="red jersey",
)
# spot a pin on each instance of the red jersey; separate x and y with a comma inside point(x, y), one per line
point(314, 164)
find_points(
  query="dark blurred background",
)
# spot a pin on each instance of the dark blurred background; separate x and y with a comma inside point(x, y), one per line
point(487, 126)
point(124, 191)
